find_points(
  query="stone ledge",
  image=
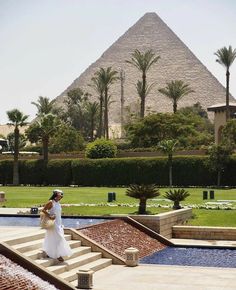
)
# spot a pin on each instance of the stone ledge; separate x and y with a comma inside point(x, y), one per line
point(210, 233)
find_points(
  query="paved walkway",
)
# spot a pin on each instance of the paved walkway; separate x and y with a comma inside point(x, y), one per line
point(161, 277)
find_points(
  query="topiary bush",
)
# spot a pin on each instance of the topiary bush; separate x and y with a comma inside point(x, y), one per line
point(101, 148)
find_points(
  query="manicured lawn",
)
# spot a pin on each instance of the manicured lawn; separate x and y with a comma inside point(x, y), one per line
point(28, 196)
point(214, 218)
point(37, 196)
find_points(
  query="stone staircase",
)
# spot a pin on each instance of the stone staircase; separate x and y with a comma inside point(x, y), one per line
point(82, 256)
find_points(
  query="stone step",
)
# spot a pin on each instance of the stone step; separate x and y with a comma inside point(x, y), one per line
point(73, 263)
point(26, 238)
point(71, 276)
point(40, 254)
point(35, 254)
point(76, 252)
point(32, 245)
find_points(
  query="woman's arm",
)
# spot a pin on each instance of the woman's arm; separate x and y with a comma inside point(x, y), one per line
point(46, 208)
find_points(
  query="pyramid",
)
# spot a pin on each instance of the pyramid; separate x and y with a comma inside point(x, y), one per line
point(176, 62)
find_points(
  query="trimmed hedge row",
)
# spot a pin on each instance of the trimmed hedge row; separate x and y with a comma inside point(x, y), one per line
point(187, 171)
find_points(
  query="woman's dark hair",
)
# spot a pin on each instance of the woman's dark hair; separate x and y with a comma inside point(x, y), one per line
point(54, 194)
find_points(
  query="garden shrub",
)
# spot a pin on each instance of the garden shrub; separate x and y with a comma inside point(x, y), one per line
point(101, 148)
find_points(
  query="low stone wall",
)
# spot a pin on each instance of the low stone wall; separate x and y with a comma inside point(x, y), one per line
point(163, 222)
point(204, 233)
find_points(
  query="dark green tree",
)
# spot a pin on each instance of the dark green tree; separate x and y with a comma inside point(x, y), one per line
point(66, 139)
point(92, 113)
point(42, 130)
point(168, 147)
point(98, 85)
point(229, 134)
point(107, 76)
point(190, 130)
point(75, 108)
point(17, 119)
point(219, 157)
point(142, 192)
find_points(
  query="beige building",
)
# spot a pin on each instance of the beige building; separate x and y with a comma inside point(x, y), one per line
point(220, 118)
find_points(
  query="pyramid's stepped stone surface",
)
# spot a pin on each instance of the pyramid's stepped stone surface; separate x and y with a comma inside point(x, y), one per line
point(176, 62)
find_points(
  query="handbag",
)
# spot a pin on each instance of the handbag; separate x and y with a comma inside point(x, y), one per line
point(46, 222)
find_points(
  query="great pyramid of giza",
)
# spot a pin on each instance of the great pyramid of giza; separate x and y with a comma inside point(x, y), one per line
point(176, 62)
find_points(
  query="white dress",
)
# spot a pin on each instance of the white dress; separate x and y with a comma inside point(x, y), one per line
point(54, 244)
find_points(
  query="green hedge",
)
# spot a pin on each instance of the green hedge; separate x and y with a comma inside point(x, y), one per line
point(187, 171)
point(6, 172)
point(58, 172)
point(32, 172)
point(112, 172)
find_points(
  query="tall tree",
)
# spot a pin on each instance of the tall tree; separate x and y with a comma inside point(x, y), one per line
point(168, 147)
point(143, 62)
point(98, 86)
point(44, 105)
point(42, 130)
point(75, 107)
point(176, 90)
point(219, 156)
point(92, 111)
point(226, 57)
point(17, 119)
point(107, 77)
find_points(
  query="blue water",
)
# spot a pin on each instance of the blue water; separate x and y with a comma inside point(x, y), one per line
point(34, 221)
point(205, 257)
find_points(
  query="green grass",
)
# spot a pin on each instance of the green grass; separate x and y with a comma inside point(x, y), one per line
point(37, 196)
point(107, 210)
point(214, 218)
point(30, 196)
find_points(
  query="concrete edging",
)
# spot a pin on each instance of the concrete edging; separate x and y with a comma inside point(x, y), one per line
point(204, 233)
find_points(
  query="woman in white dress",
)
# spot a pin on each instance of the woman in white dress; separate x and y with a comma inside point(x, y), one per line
point(55, 245)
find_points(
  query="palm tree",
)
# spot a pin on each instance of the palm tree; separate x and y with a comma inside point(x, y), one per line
point(226, 57)
point(75, 107)
point(98, 86)
point(42, 130)
point(140, 90)
point(142, 192)
point(92, 111)
point(175, 90)
point(107, 77)
point(168, 147)
point(143, 62)
point(44, 105)
point(176, 196)
point(17, 119)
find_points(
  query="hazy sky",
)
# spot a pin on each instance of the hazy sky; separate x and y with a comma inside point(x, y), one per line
point(46, 44)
